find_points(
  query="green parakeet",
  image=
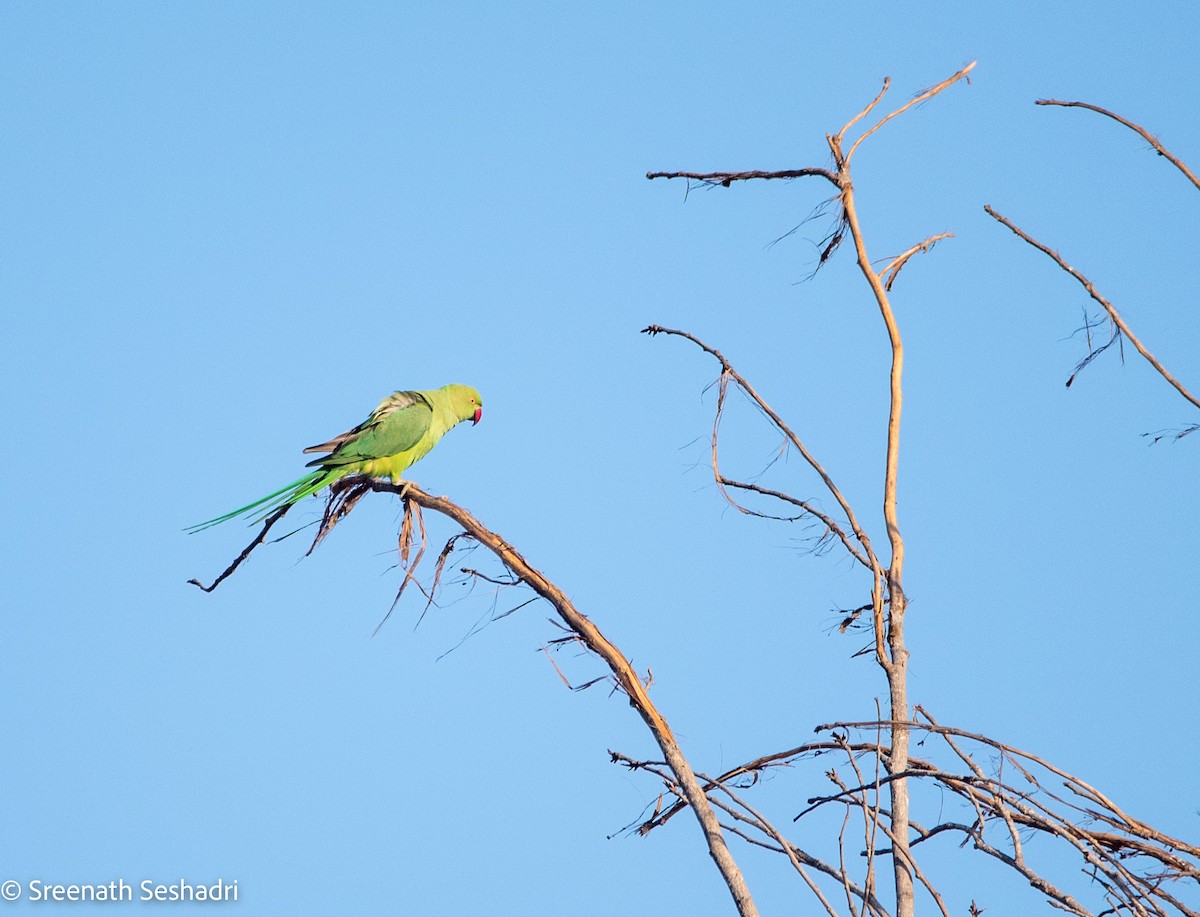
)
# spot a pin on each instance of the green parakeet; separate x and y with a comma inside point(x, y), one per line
point(399, 432)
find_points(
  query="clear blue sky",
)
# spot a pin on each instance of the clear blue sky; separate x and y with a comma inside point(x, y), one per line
point(228, 229)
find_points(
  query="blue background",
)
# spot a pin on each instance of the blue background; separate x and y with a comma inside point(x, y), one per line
point(229, 229)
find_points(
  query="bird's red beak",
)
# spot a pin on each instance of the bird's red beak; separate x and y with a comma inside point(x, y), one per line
point(478, 416)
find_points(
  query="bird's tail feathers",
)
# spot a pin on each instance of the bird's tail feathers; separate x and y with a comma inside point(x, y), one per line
point(290, 493)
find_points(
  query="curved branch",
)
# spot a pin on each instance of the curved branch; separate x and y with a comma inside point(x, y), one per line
point(806, 508)
point(887, 82)
point(727, 368)
point(787, 848)
point(724, 483)
point(1136, 128)
point(620, 667)
point(899, 261)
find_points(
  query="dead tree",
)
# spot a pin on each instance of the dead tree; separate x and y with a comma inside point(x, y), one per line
point(878, 786)
point(1130, 866)
point(888, 603)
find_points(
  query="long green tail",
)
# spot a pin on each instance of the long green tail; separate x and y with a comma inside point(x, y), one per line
point(291, 493)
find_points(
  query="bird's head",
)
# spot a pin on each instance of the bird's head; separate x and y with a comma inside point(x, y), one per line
point(467, 403)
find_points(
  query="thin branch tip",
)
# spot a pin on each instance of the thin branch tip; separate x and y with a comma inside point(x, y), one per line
point(1121, 329)
point(1136, 128)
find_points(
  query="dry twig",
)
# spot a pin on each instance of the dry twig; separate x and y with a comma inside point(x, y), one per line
point(866, 556)
point(1136, 128)
point(241, 558)
point(1114, 316)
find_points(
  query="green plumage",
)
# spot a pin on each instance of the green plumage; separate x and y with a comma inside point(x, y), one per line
point(399, 432)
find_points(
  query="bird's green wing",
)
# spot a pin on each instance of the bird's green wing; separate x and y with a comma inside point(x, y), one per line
point(395, 426)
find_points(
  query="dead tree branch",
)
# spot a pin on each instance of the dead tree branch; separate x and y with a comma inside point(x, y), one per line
point(748, 816)
point(1136, 128)
point(241, 558)
point(725, 179)
point(622, 671)
point(1114, 316)
point(892, 271)
point(920, 97)
point(867, 555)
point(1134, 868)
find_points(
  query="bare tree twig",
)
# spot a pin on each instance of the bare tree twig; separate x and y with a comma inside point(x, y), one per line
point(893, 659)
point(728, 370)
point(1104, 852)
point(240, 559)
point(898, 262)
point(887, 82)
point(906, 851)
point(804, 505)
point(404, 548)
point(751, 769)
point(1105, 304)
point(1176, 434)
point(916, 100)
point(1136, 128)
point(725, 179)
point(723, 483)
point(438, 568)
point(794, 853)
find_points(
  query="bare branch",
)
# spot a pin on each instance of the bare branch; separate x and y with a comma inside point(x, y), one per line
point(750, 770)
point(916, 100)
point(728, 370)
point(344, 494)
point(807, 508)
point(723, 483)
point(887, 82)
point(438, 568)
point(1105, 304)
point(796, 853)
point(565, 680)
point(785, 847)
point(888, 585)
point(1136, 128)
point(623, 672)
point(237, 562)
point(725, 179)
point(888, 602)
point(1104, 852)
point(403, 548)
point(898, 262)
